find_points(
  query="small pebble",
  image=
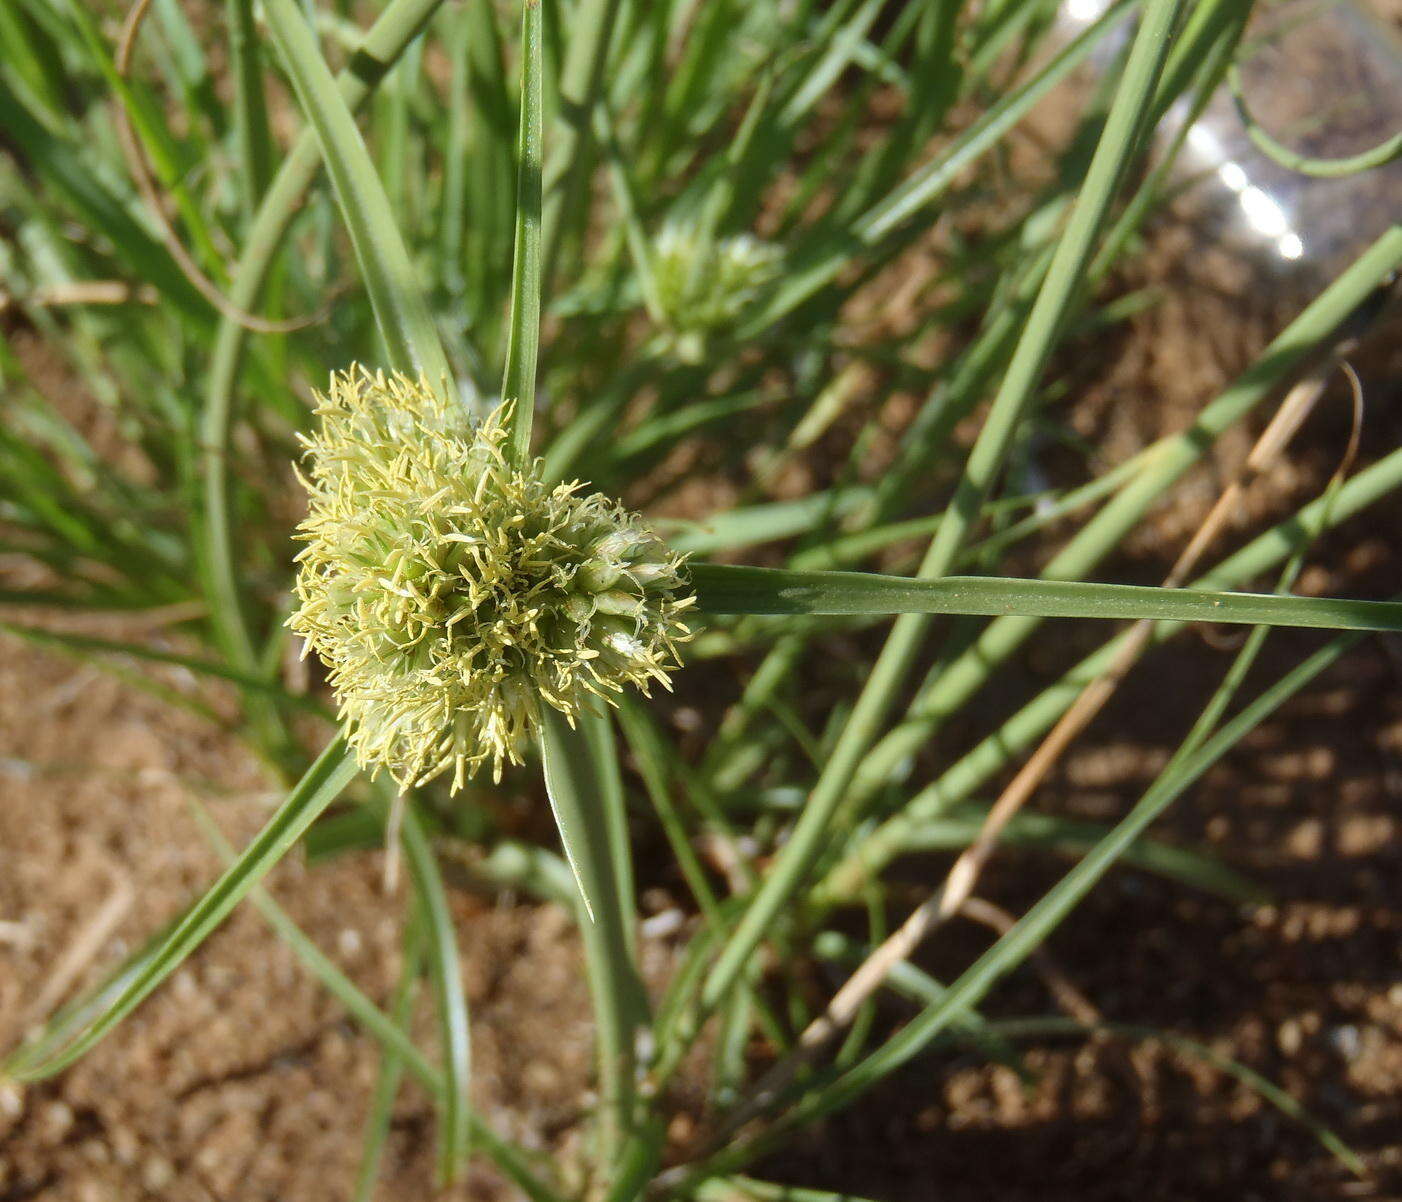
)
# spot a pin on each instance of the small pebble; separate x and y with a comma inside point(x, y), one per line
point(1346, 1041)
point(659, 926)
point(11, 1100)
point(157, 1174)
point(58, 1121)
point(124, 1145)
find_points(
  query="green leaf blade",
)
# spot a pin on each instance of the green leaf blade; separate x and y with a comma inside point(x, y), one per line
point(400, 308)
point(728, 589)
point(523, 332)
point(323, 783)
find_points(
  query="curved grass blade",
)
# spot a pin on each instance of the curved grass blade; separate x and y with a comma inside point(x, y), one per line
point(733, 589)
point(1383, 153)
point(323, 783)
point(400, 309)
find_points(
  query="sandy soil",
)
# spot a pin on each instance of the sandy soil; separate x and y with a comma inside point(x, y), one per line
point(241, 1079)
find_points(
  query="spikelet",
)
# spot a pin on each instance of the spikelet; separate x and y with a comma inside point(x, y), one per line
point(451, 595)
point(704, 284)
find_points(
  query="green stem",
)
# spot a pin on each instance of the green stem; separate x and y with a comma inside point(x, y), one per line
point(523, 332)
point(581, 774)
point(252, 141)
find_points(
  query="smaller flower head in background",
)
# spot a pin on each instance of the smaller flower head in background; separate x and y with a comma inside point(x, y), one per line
point(704, 284)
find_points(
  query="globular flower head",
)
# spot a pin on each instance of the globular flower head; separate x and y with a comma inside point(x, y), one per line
point(703, 284)
point(451, 595)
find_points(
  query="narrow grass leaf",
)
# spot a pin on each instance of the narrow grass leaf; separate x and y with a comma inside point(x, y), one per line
point(577, 778)
point(961, 826)
point(1034, 927)
point(377, 1122)
point(442, 949)
point(733, 589)
point(323, 783)
point(252, 138)
point(398, 300)
point(523, 332)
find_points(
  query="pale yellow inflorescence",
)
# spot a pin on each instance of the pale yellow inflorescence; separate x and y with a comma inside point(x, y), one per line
point(451, 595)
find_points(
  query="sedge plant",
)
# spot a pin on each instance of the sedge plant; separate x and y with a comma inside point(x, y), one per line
point(597, 245)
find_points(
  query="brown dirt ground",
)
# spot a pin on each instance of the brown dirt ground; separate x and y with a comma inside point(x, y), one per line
point(242, 1080)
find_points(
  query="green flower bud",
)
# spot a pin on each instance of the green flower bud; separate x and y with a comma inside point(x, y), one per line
point(598, 575)
point(703, 284)
point(451, 595)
